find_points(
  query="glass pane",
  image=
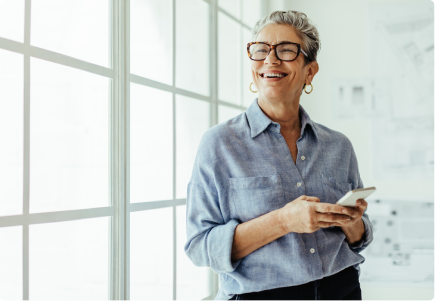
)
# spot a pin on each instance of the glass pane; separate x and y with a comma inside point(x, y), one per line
point(11, 130)
point(192, 281)
point(69, 260)
point(248, 96)
point(226, 113)
point(151, 146)
point(69, 131)
point(151, 253)
point(251, 12)
point(231, 6)
point(11, 263)
point(78, 28)
point(192, 68)
point(151, 39)
point(12, 20)
point(229, 60)
point(193, 119)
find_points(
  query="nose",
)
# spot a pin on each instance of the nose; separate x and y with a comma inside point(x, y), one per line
point(271, 58)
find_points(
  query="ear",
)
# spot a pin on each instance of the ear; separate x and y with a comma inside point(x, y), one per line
point(313, 68)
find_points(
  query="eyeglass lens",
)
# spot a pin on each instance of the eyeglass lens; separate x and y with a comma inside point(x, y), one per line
point(285, 52)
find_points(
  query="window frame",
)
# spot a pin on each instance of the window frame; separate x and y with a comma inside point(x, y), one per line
point(119, 142)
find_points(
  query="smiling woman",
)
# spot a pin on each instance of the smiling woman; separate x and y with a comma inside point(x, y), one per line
point(261, 203)
point(268, 75)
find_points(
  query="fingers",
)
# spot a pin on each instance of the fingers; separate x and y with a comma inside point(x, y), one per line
point(326, 224)
point(314, 200)
point(323, 224)
point(310, 198)
point(361, 203)
point(352, 212)
point(332, 218)
point(326, 214)
point(358, 210)
point(331, 208)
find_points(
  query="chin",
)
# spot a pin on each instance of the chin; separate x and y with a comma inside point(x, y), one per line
point(272, 92)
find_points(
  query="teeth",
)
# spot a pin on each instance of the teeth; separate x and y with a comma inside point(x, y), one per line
point(274, 74)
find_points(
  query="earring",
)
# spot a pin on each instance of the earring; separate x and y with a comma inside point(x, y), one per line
point(251, 89)
point(306, 88)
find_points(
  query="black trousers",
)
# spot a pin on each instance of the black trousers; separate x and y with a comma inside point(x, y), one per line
point(343, 285)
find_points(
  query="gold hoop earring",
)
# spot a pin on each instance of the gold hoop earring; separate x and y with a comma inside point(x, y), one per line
point(251, 89)
point(306, 88)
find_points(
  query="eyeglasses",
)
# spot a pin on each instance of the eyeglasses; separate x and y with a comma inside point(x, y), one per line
point(286, 51)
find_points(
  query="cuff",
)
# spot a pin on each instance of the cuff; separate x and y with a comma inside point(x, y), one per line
point(365, 239)
point(219, 246)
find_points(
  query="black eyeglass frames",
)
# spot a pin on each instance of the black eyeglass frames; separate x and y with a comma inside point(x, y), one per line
point(286, 51)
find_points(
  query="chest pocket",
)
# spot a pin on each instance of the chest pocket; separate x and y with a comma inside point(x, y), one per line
point(333, 189)
point(255, 196)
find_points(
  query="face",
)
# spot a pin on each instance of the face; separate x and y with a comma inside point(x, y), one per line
point(295, 72)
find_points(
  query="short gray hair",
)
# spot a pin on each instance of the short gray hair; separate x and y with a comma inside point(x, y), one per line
point(300, 22)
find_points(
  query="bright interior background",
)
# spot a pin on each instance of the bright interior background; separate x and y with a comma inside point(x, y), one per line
point(346, 52)
point(69, 139)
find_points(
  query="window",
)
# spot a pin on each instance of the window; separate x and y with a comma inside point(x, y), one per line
point(103, 107)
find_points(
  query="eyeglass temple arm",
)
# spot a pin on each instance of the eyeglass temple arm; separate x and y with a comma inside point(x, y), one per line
point(304, 53)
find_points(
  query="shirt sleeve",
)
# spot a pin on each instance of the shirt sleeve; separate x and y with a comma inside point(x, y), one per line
point(368, 229)
point(367, 236)
point(209, 237)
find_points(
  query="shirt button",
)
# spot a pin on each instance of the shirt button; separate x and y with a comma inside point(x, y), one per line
point(299, 184)
point(303, 158)
point(312, 250)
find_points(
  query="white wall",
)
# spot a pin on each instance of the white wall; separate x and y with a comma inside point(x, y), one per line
point(343, 26)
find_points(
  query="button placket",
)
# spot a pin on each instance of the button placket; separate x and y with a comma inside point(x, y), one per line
point(285, 153)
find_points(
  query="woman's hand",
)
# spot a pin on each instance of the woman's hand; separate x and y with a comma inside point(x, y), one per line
point(354, 213)
point(306, 215)
point(354, 230)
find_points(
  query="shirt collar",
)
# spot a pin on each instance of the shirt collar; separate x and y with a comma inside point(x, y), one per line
point(305, 119)
point(258, 121)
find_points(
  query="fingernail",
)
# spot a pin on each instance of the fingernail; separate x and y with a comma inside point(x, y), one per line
point(359, 202)
point(344, 211)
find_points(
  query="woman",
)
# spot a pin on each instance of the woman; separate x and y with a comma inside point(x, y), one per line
point(261, 201)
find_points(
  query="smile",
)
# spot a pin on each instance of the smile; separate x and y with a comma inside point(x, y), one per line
point(273, 75)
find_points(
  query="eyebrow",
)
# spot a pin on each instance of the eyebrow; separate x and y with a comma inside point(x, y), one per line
point(278, 42)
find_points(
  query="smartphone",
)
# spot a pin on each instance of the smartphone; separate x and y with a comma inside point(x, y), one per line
point(350, 198)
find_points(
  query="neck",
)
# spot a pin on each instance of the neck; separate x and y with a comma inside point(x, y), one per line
point(283, 111)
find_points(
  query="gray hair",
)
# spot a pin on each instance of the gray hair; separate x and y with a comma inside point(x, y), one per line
point(300, 22)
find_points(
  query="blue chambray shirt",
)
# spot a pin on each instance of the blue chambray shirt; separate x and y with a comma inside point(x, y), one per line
point(244, 169)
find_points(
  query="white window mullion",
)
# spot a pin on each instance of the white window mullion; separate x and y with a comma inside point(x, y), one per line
point(26, 152)
point(242, 94)
point(54, 217)
point(13, 46)
point(213, 11)
point(165, 87)
point(213, 62)
point(174, 154)
point(118, 151)
point(126, 76)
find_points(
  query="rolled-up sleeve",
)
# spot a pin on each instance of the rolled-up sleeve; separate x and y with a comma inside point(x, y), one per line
point(368, 229)
point(367, 236)
point(209, 237)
